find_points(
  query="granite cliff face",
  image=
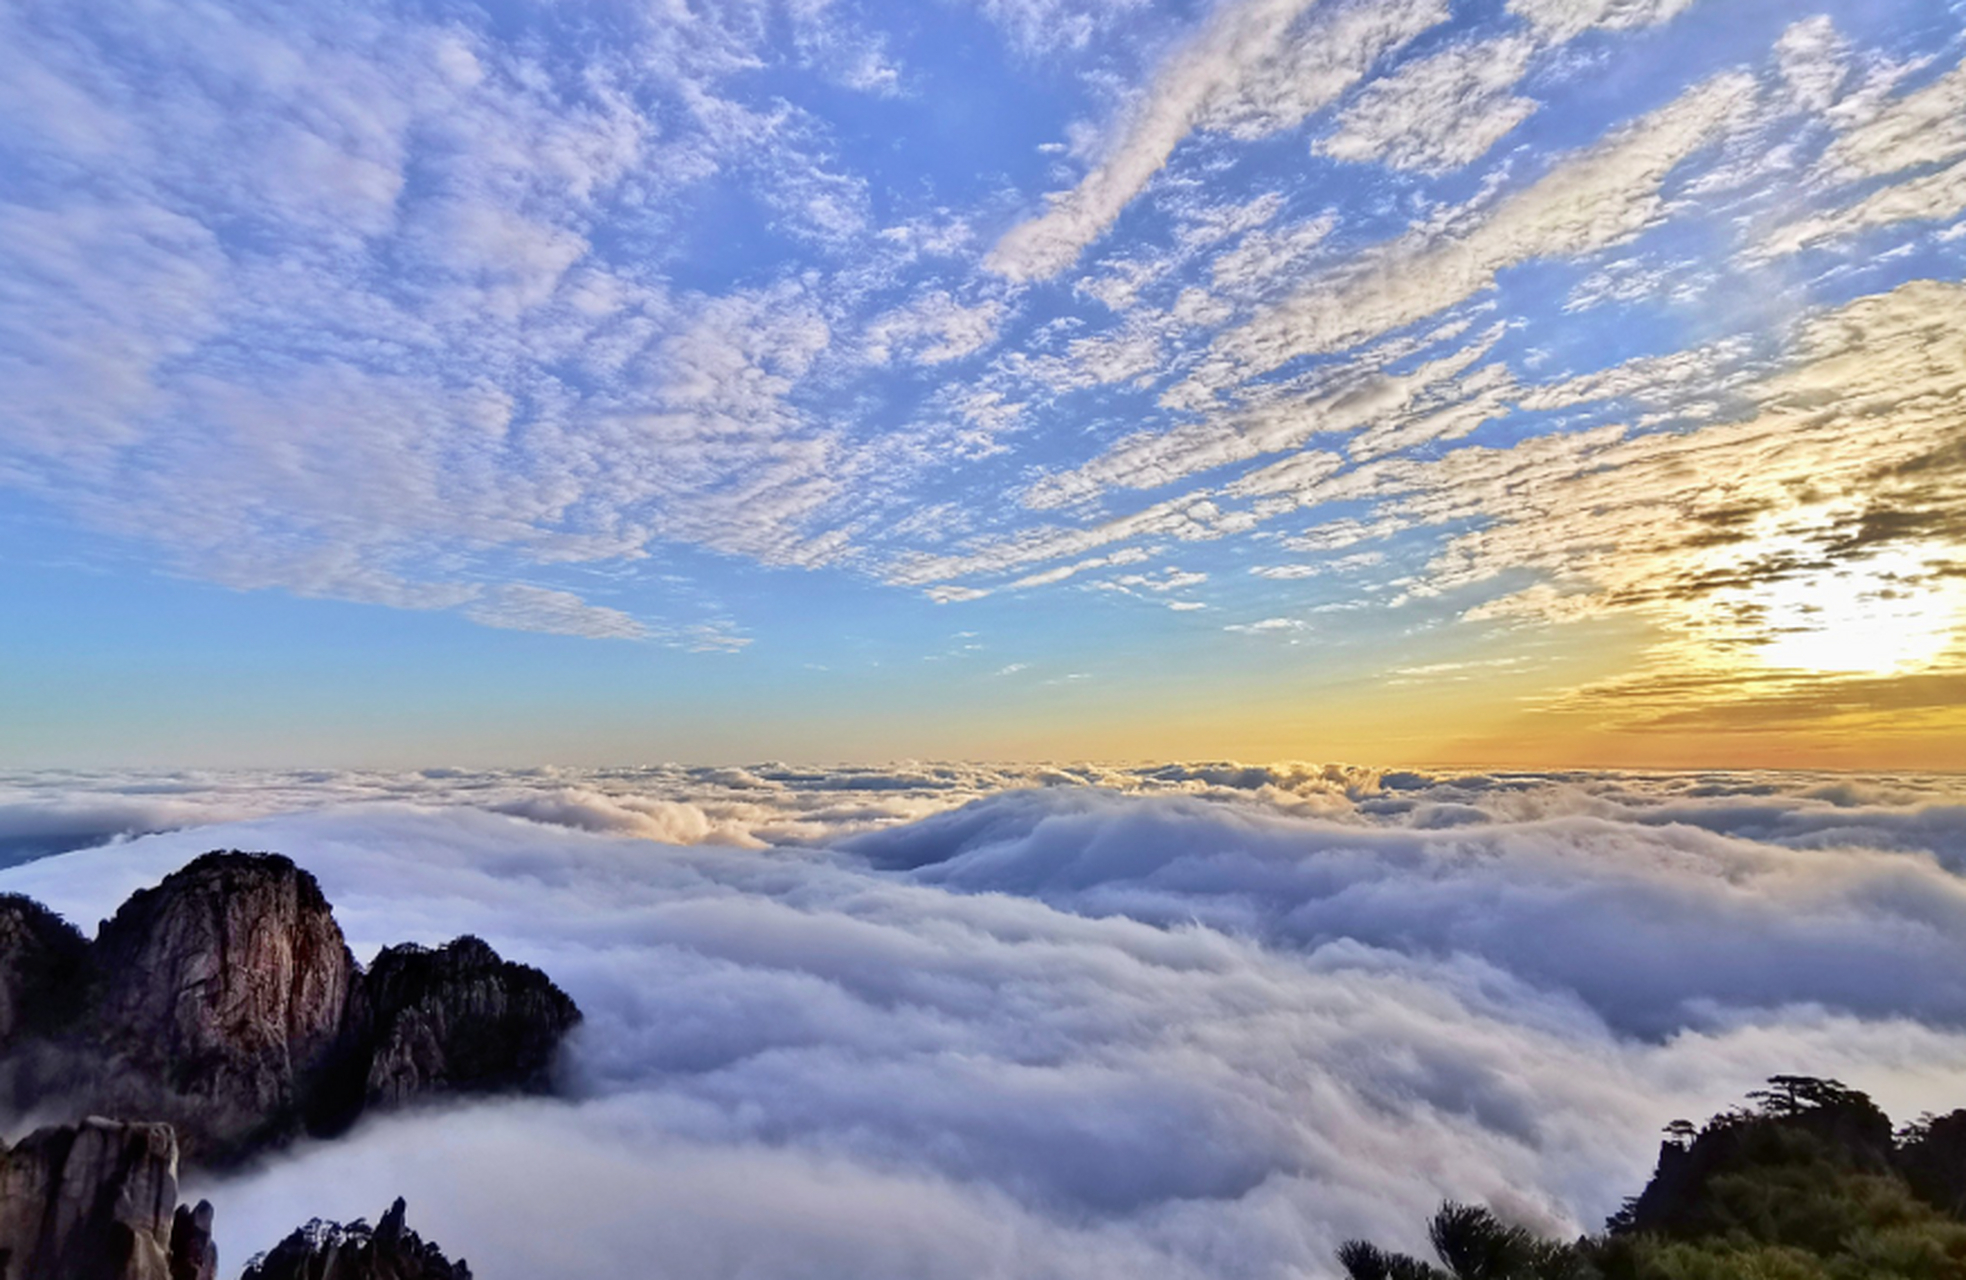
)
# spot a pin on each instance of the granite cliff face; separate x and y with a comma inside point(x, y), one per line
point(329, 1251)
point(225, 1001)
point(97, 1201)
point(220, 999)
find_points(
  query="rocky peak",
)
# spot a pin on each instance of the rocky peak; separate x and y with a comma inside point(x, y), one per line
point(193, 1255)
point(98, 1201)
point(237, 954)
point(222, 992)
point(329, 1251)
point(459, 1019)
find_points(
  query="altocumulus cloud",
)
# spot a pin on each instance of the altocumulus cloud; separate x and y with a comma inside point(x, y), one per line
point(1207, 1028)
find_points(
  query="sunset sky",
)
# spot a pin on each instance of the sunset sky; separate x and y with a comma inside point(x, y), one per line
point(1415, 381)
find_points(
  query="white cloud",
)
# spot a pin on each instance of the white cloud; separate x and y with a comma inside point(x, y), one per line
point(1922, 131)
point(1053, 27)
point(1126, 555)
point(933, 329)
point(1931, 197)
point(1597, 198)
point(519, 607)
point(1261, 259)
point(1439, 112)
point(1341, 564)
point(1267, 625)
point(235, 330)
point(1566, 19)
point(1344, 400)
point(1041, 1036)
point(1284, 81)
point(1190, 518)
point(1925, 126)
point(1811, 58)
point(1244, 73)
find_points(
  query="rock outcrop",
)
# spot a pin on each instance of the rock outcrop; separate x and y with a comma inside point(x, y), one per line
point(329, 1251)
point(94, 1201)
point(458, 1020)
point(225, 1001)
point(193, 1255)
point(224, 1010)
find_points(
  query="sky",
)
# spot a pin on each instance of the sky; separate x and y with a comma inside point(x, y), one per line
point(1538, 382)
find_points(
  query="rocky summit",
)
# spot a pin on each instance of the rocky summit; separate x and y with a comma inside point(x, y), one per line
point(226, 1002)
point(220, 999)
point(329, 1251)
point(456, 1019)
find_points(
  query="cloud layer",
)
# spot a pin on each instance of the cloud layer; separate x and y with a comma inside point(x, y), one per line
point(1206, 1029)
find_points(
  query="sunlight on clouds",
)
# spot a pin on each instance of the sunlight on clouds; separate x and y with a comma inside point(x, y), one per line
point(1876, 617)
point(1789, 544)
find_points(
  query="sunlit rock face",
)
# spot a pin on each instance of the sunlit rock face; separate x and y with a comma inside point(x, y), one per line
point(224, 991)
point(93, 1201)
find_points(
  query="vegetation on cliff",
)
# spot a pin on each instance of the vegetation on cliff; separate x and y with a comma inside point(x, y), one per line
point(1806, 1182)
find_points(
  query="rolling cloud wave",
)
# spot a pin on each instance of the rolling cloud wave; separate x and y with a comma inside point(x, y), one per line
point(1194, 1020)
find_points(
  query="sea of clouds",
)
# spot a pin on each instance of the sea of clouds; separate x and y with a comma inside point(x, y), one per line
point(1197, 1020)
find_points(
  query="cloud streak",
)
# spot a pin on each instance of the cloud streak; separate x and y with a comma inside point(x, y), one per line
point(1244, 72)
point(1586, 202)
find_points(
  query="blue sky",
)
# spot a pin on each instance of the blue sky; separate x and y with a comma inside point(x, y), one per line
point(1405, 379)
